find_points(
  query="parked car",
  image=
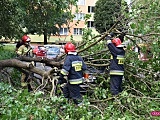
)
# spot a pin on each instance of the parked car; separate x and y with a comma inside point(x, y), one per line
point(53, 52)
point(39, 51)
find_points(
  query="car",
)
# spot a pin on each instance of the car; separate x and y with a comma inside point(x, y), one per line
point(39, 51)
point(53, 52)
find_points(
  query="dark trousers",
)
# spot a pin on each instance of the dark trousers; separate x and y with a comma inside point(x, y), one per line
point(72, 91)
point(25, 79)
point(116, 84)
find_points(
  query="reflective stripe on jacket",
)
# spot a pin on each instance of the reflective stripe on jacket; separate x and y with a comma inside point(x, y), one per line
point(76, 81)
point(116, 72)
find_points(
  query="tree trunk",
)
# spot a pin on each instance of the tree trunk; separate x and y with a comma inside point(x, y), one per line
point(45, 36)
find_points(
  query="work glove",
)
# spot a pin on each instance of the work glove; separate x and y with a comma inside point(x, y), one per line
point(108, 39)
point(61, 80)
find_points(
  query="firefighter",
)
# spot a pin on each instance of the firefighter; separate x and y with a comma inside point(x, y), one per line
point(116, 64)
point(23, 45)
point(22, 49)
point(74, 68)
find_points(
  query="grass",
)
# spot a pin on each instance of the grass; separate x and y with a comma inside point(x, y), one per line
point(7, 52)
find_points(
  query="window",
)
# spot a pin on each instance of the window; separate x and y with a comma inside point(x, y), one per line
point(63, 31)
point(79, 16)
point(90, 9)
point(78, 31)
point(90, 24)
point(81, 2)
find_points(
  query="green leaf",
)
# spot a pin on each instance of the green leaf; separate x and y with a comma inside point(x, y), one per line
point(133, 25)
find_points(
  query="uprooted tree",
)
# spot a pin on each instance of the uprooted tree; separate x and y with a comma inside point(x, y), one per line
point(140, 31)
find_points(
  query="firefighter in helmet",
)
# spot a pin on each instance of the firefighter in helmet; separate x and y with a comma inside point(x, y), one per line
point(23, 46)
point(117, 60)
point(22, 49)
point(74, 68)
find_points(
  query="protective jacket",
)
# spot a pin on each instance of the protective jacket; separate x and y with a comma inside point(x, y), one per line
point(74, 67)
point(22, 49)
point(117, 59)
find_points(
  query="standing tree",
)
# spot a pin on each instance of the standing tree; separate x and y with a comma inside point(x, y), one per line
point(106, 14)
point(9, 23)
point(45, 17)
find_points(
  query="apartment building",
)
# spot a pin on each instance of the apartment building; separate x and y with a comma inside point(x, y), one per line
point(75, 29)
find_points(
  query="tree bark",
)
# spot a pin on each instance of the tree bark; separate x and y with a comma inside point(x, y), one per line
point(29, 66)
point(45, 36)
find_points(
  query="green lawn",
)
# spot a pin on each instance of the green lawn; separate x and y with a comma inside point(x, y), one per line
point(7, 52)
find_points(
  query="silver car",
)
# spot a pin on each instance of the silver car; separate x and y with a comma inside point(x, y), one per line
point(53, 52)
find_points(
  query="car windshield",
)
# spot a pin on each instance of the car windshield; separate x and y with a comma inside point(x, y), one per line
point(53, 50)
point(41, 48)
